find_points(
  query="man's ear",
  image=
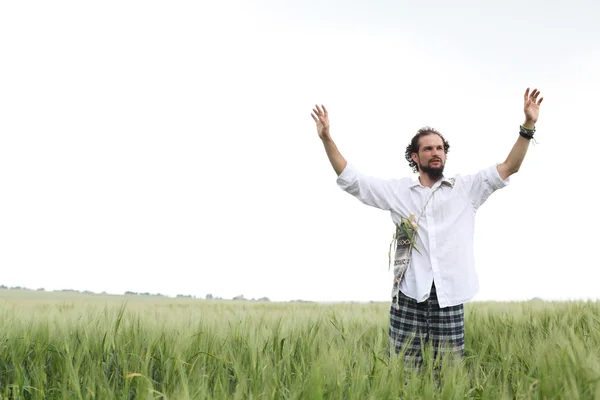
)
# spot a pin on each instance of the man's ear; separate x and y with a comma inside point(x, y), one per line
point(415, 158)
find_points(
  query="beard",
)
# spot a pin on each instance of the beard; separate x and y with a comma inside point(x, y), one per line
point(434, 173)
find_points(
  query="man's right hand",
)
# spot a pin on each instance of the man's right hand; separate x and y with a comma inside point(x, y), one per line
point(321, 117)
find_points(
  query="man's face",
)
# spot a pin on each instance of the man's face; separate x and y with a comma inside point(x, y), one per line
point(431, 157)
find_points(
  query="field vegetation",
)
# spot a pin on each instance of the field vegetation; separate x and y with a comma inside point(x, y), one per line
point(85, 346)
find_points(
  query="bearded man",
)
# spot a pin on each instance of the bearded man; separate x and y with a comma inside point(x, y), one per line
point(434, 271)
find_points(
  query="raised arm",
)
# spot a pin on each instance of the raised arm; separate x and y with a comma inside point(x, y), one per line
point(516, 156)
point(321, 117)
point(369, 190)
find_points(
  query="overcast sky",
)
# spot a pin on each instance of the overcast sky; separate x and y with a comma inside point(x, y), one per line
point(168, 146)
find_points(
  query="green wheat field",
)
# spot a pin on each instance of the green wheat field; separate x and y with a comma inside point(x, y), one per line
point(61, 345)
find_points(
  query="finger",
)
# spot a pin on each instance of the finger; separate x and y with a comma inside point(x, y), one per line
point(540, 101)
point(535, 93)
point(531, 94)
point(313, 117)
point(324, 109)
point(316, 112)
point(526, 94)
point(319, 108)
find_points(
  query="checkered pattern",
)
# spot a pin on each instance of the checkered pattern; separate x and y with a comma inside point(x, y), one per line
point(414, 325)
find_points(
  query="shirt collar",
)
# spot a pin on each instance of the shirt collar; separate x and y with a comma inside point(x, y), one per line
point(445, 181)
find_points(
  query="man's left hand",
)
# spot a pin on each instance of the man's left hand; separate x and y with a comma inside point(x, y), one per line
point(531, 107)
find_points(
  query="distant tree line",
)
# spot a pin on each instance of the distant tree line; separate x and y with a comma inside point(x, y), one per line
point(131, 293)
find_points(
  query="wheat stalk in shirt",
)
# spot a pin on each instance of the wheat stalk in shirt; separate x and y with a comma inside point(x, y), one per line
point(408, 227)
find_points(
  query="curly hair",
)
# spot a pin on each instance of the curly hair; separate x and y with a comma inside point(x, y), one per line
point(413, 147)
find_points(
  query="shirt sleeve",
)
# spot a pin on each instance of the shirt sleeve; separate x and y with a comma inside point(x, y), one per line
point(484, 183)
point(374, 192)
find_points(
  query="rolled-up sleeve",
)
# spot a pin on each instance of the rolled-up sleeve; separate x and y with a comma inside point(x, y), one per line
point(369, 190)
point(484, 183)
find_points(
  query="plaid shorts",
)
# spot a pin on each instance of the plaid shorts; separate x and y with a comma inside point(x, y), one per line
point(415, 325)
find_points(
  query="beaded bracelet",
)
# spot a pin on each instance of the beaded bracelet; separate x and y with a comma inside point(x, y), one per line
point(526, 133)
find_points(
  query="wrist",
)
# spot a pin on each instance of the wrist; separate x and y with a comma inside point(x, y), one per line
point(325, 137)
point(527, 130)
point(528, 124)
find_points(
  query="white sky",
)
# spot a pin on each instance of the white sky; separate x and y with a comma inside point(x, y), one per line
point(168, 146)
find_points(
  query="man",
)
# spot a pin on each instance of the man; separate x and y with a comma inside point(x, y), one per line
point(434, 273)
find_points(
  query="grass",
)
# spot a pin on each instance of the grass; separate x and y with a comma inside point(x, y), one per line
point(72, 346)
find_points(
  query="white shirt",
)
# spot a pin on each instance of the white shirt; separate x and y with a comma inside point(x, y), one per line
point(445, 227)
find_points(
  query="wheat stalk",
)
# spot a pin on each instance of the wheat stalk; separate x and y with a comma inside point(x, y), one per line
point(406, 228)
